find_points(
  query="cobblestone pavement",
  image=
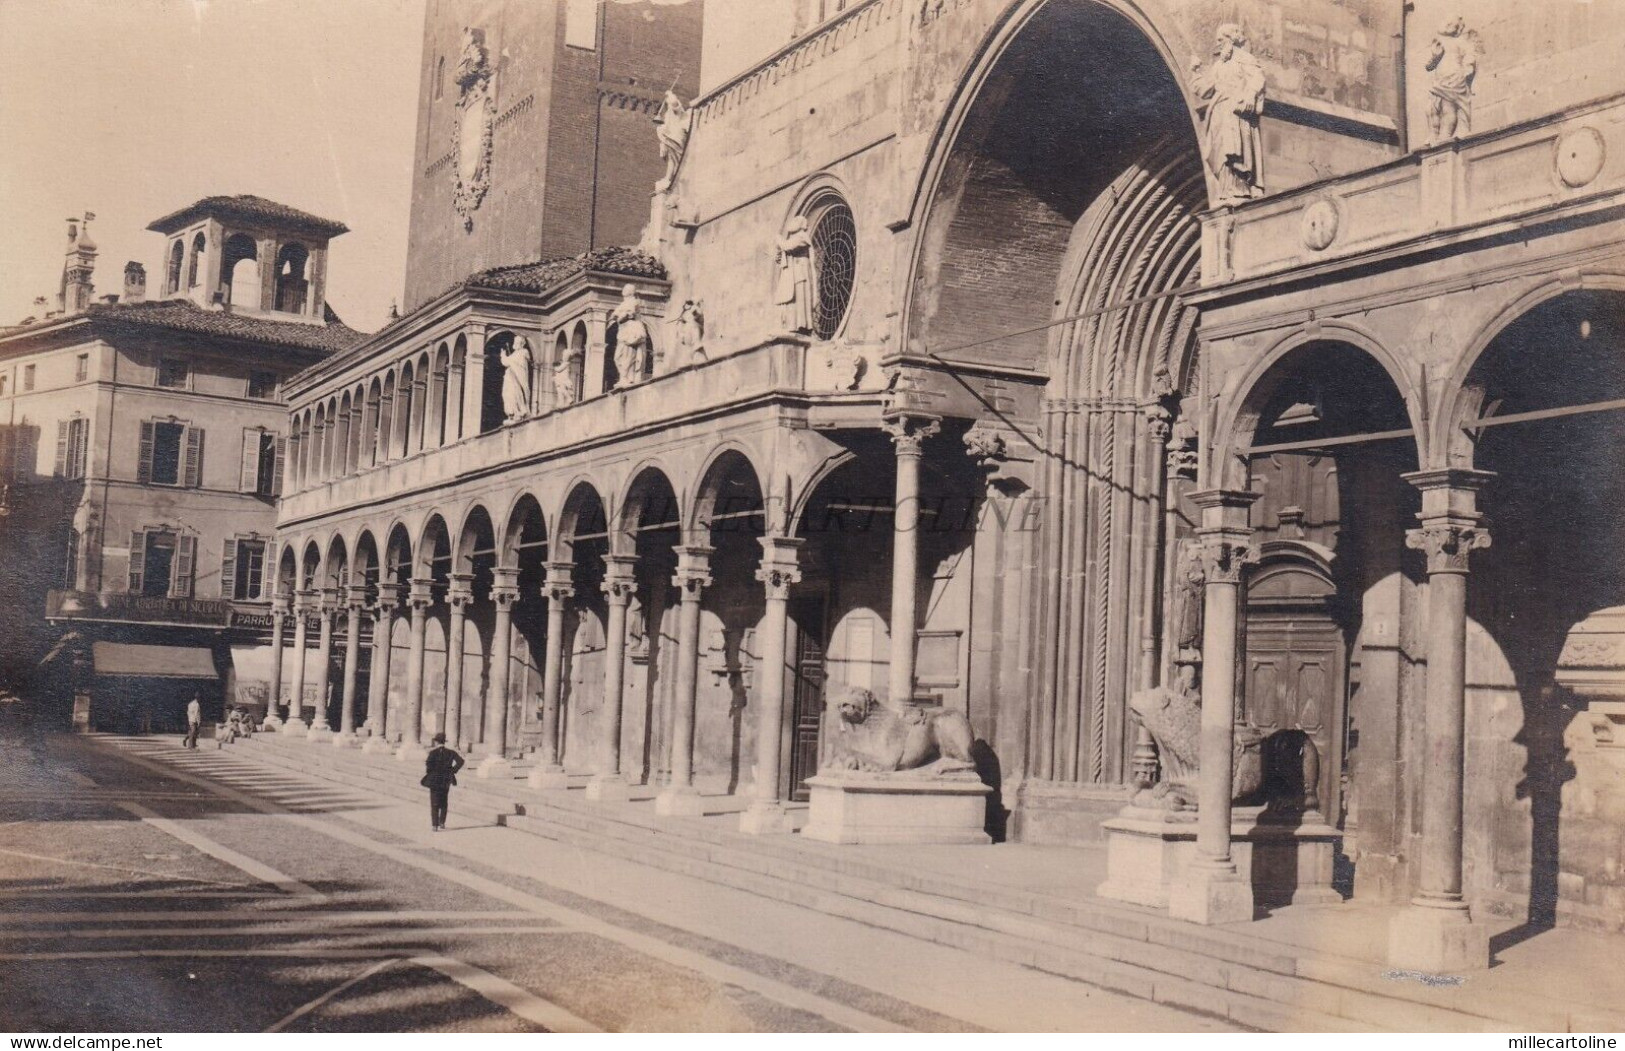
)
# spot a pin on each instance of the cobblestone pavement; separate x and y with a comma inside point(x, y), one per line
point(148, 888)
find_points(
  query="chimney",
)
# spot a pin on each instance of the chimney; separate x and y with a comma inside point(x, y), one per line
point(135, 282)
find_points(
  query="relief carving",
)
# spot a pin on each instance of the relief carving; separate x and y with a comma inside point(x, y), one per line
point(1452, 66)
point(1229, 98)
point(471, 130)
point(873, 736)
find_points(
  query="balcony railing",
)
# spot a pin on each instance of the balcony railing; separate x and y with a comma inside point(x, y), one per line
point(779, 366)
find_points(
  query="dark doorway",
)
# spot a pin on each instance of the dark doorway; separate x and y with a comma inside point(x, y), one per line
point(809, 614)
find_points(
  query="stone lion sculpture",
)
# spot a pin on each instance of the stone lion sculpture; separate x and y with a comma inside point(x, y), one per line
point(1173, 715)
point(873, 736)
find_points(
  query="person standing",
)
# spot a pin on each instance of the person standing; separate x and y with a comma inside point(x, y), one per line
point(194, 721)
point(439, 774)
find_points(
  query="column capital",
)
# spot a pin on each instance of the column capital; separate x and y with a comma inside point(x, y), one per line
point(909, 430)
point(1226, 552)
point(304, 601)
point(420, 594)
point(461, 591)
point(1448, 542)
point(620, 579)
point(693, 570)
point(559, 584)
point(281, 606)
point(389, 597)
point(1224, 507)
point(504, 586)
point(355, 597)
point(1449, 490)
point(780, 568)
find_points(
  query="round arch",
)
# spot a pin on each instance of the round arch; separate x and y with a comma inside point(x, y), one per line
point(525, 527)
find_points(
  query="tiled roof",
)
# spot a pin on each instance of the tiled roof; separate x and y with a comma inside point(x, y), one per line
point(247, 206)
point(185, 316)
point(539, 277)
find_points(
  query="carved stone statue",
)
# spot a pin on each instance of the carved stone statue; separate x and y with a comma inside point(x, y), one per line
point(1173, 715)
point(872, 736)
point(1452, 65)
point(1229, 97)
point(632, 341)
point(516, 366)
point(672, 127)
point(690, 334)
point(567, 379)
point(1190, 582)
point(793, 289)
point(472, 128)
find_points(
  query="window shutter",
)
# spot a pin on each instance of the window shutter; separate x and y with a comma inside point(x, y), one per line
point(138, 560)
point(61, 449)
point(82, 450)
point(276, 466)
point(185, 557)
point(228, 569)
point(194, 458)
point(143, 470)
point(248, 482)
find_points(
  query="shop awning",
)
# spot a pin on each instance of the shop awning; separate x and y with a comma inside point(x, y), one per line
point(157, 662)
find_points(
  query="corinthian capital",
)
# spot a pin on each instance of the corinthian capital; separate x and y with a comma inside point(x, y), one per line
point(1225, 556)
point(1448, 545)
point(910, 430)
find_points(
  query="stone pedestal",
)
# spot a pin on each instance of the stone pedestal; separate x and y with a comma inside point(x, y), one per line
point(604, 788)
point(1438, 940)
point(897, 808)
point(766, 817)
point(1280, 860)
point(548, 777)
point(295, 728)
point(343, 740)
point(319, 733)
point(411, 752)
point(377, 745)
point(271, 723)
point(679, 801)
point(494, 768)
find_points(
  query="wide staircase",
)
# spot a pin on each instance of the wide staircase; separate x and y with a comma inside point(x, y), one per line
point(1269, 983)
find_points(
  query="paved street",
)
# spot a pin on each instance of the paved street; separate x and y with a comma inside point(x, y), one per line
point(145, 888)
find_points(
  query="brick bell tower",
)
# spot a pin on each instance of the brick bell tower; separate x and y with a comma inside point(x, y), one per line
point(536, 135)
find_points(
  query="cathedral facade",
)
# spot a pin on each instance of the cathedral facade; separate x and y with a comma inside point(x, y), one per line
point(1055, 362)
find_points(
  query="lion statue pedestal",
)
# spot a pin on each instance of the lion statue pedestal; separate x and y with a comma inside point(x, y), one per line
point(896, 774)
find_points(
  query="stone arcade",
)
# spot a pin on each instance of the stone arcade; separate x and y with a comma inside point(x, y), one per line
point(1207, 390)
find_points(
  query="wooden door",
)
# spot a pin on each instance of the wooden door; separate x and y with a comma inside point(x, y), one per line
point(807, 673)
point(1295, 680)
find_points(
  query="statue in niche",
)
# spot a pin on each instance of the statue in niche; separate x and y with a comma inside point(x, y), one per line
point(632, 341)
point(637, 630)
point(516, 370)
point(873, 736)
point(793, 288)
point(1229, 98)
point(566, 379)
point(672, 127)
point(1173, 715)
point(1190, 582)
point(1452, 65)
point(690, 334)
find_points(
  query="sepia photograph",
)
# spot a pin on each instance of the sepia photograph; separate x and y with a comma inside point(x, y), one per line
point(811, 516)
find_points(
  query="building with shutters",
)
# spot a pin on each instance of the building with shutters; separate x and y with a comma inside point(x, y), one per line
point(142, 443)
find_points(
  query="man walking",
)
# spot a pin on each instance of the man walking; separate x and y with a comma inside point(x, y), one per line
point(439, 774)
point(194, 721)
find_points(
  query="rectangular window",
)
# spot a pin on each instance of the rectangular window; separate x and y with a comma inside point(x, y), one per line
point(28, 377)
point(242, 570)
point(161, 563)
point(72, 442)
point(262, 385)
point(158, 564)
point(81, 368)
point(262, 462)
point(174, 373)
point(171, 453)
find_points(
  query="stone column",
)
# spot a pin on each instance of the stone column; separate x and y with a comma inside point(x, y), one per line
point(356, 601)
point(619, 583)
point(418, 600)
point(1436, 933)
point(504, 593)
point(779, 570)
point(458, 597)
point(1212, 890)
point(383, 624)
point(301, 640)
point(279, 618)
point(473, 382)
point(908, 433)
point(319, 728)
point(559, 589)
point(693, 576)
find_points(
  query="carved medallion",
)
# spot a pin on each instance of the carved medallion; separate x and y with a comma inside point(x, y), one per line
point(1320, 221)
point(471, 131)
point(1580, 156)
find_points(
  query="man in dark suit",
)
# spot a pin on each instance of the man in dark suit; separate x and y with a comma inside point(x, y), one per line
point(439, 774)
